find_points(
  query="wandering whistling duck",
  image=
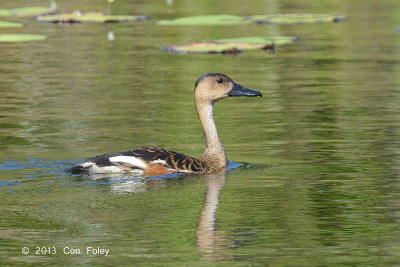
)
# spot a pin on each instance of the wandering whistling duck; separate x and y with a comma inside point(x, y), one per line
point(152, 161)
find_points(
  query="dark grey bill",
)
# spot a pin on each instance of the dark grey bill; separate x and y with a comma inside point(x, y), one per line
point(239, 90)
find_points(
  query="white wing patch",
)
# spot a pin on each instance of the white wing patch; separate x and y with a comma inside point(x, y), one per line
point(87, 164)
point(105, 169)
point(158, 161)
point(134, 161)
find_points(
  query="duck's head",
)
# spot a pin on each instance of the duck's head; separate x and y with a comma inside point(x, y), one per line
point(212, 87)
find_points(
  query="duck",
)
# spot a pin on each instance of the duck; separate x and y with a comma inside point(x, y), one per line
point(153, 161)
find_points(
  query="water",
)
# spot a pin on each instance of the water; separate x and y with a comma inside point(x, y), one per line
point(318, 182)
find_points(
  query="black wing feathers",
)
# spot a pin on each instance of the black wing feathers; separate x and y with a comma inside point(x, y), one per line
point(172, 159)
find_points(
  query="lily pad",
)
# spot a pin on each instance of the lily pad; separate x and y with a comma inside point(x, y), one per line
point(21, 37)
point(92, 17)
point(208, 48)
point(277, 40)
point(259, 19)
point(7, 24)
point(296, 18)
point(206, 20)
point(231, 45)
point(26, 11)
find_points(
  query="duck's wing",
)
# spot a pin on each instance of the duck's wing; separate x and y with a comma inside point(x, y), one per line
point(147, 159)
point(170, 159)
point(110, 163)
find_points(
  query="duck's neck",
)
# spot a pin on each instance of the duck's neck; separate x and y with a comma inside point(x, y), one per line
point(215, 152)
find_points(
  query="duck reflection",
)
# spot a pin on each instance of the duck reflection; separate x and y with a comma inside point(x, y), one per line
point(209, 240)
point(127, 183)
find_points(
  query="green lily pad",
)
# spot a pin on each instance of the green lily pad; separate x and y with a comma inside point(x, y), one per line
point(93, 17)
point(231, 45)
point(206, 20)
point(26, 11)
point(21, 37)
point(277, 40)
point(7, 24)
point(259, 19)
point(296, 18)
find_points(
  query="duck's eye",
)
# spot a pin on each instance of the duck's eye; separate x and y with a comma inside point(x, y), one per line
point(220, 80)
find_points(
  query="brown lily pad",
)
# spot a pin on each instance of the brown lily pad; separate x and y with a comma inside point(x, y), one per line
point(91, 17)
point(231, 45)
point(212, 47)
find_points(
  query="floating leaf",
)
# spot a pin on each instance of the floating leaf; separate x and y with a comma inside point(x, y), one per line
point(277, 40)
point(206, 20)
point(26, 11)
point(209, 48)
point(259, 19)
point(93, 17)
point(231, 45)
point(21, 37)
point(295, 18)
point(7, 24)
point(216, 48)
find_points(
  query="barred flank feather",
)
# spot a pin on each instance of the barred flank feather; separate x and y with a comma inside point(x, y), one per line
point(172, 159)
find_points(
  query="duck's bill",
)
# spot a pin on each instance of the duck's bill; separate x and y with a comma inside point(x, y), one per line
point(239, 90)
